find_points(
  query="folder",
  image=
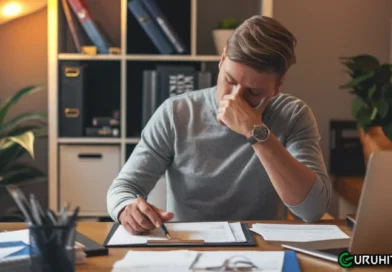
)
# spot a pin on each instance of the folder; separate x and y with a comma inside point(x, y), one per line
point(250, 241)
point(290, 262)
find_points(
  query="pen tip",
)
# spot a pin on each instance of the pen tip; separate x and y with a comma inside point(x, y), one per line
point(168, 236)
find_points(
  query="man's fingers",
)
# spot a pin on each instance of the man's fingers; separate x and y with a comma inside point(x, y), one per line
point(143, 220)
point(129, 228)
point(135, 225)
point(146, 209)
point(165, 216)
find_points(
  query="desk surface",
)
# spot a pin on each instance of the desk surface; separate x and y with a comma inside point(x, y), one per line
point(98, 231)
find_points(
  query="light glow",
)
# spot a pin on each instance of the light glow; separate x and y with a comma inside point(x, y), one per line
point(11, 9)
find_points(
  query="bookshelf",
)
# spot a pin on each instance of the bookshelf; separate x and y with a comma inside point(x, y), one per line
point(116, 79)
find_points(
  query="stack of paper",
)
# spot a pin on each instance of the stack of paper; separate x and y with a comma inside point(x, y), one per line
point(187, 260)
point(298, 232)
point(210, 232)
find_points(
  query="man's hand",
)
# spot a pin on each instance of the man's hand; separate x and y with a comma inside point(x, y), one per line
point(238, 115)
point(140, 217)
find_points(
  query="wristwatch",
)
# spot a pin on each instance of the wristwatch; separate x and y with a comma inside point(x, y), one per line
point(260, 133)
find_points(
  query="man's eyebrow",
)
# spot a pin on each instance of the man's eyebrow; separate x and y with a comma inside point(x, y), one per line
point(232, 79)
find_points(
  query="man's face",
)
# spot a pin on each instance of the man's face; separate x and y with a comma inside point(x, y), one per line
point(252, 85)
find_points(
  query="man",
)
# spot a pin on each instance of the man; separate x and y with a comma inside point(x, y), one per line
point(237, 151)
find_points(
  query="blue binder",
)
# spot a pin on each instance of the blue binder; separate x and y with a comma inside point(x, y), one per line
point(150, 27)
point(290, 263)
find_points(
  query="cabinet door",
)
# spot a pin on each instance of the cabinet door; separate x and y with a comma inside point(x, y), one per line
point(86, 172)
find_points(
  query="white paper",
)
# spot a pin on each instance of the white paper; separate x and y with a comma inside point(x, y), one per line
point(265, 260)
point(238, 232)
point(5, 252)
point(210, 232)
point(15, 236)
point(156, 261)
point(298, 232)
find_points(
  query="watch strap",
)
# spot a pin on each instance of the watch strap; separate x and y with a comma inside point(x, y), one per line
point(252, 140)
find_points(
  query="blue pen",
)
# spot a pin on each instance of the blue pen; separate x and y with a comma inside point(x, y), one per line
point(163, 228)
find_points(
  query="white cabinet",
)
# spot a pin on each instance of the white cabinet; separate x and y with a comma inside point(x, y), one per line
point(86, 172)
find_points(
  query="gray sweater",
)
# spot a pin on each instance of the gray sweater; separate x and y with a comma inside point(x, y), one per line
point(213, 173)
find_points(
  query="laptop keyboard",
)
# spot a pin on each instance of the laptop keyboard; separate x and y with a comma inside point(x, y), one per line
point(334, 251)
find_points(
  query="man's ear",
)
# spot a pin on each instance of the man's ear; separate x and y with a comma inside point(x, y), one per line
point(222, 59)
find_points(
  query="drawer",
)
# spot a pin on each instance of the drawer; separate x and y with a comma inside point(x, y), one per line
point(85, 174)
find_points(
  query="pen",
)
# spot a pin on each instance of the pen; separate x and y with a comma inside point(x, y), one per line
point(163, 228)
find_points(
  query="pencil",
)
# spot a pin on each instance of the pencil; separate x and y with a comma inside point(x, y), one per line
point(163, 227)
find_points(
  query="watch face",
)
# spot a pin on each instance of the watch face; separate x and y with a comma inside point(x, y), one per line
point(261, 132)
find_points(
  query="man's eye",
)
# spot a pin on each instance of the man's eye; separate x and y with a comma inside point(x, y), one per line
point(228, 81)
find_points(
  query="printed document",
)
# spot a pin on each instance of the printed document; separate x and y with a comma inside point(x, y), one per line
point(210, 232)
point(298, 232)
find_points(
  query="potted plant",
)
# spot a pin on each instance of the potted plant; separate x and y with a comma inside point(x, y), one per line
point(371, 84)
point(17, 137)
point(223, 32)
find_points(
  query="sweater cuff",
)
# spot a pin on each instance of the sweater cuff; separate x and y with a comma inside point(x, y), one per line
point(119, 208)
point(314, 205)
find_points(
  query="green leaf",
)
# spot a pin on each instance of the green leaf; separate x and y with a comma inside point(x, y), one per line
point(15, 98)
point(374, 113)
point(372, 91)
point(12, 124)
point(363, 116)
point(357, 105)
point(383, 75)
point(388, 94)
point(356, 81)
point(388, 131)
point(20, 173)
point(9, 155)
point(383, 108)
point(25, 140)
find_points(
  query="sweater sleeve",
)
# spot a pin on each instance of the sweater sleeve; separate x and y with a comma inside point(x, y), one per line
point(147, 163)
point(303, 144)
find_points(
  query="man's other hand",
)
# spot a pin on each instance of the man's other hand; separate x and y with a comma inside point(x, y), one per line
point(141, 217)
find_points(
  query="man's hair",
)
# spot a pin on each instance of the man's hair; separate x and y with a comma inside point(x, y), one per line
point(263, 44)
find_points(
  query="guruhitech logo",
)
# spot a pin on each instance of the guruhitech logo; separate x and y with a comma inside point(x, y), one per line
point(346, 260)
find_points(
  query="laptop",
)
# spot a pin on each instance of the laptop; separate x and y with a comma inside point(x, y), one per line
point(373, 224)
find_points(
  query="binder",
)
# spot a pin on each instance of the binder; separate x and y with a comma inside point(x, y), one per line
point(71, 100)
point(150, 27)
point(152, 7)
point(250, 241)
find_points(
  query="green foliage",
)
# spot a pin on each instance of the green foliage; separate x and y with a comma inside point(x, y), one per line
point(371, 84)
point(228, 23)
point(17, 136)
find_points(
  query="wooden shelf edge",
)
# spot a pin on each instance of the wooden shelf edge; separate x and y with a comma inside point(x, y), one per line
point(141, 57)
point(96, 140)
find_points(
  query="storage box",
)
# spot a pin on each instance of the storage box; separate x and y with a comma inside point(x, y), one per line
point(85, 174)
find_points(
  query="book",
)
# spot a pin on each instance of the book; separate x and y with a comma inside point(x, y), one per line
point(150, 27)
point(156, 13)
point(88, 24)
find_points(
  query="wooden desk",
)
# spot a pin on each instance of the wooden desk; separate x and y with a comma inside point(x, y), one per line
point(349, 188)
point(98, 231)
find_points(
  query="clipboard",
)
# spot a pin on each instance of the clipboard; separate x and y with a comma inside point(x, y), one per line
point(250, 241)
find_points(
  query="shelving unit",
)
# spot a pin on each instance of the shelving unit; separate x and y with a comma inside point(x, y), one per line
point(122, 74)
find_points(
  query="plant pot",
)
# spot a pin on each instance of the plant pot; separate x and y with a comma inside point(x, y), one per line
point(220, 38)
point(374, 141)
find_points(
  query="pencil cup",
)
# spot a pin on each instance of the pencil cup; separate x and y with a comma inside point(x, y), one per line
point(52, 248)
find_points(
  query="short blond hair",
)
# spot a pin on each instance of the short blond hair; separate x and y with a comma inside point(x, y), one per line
point(264, 44)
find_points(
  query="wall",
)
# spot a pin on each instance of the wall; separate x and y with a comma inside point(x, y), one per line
point(23, 61)
point(325, 31)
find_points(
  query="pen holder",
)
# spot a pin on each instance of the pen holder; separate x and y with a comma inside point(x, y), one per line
point(52, 248)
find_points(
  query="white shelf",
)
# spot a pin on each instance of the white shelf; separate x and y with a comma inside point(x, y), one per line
point(132, 140)
point(64, 56)
point(67, 56)
point(89, 140)
point(173, 57)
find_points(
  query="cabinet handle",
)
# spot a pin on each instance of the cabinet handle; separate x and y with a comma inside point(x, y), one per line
point(90, 156)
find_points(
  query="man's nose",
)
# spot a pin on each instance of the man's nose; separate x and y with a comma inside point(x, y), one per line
point(238, 90)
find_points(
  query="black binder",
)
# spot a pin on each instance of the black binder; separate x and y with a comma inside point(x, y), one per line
point(72, 92)
point(92, 247)
point(250, 241)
